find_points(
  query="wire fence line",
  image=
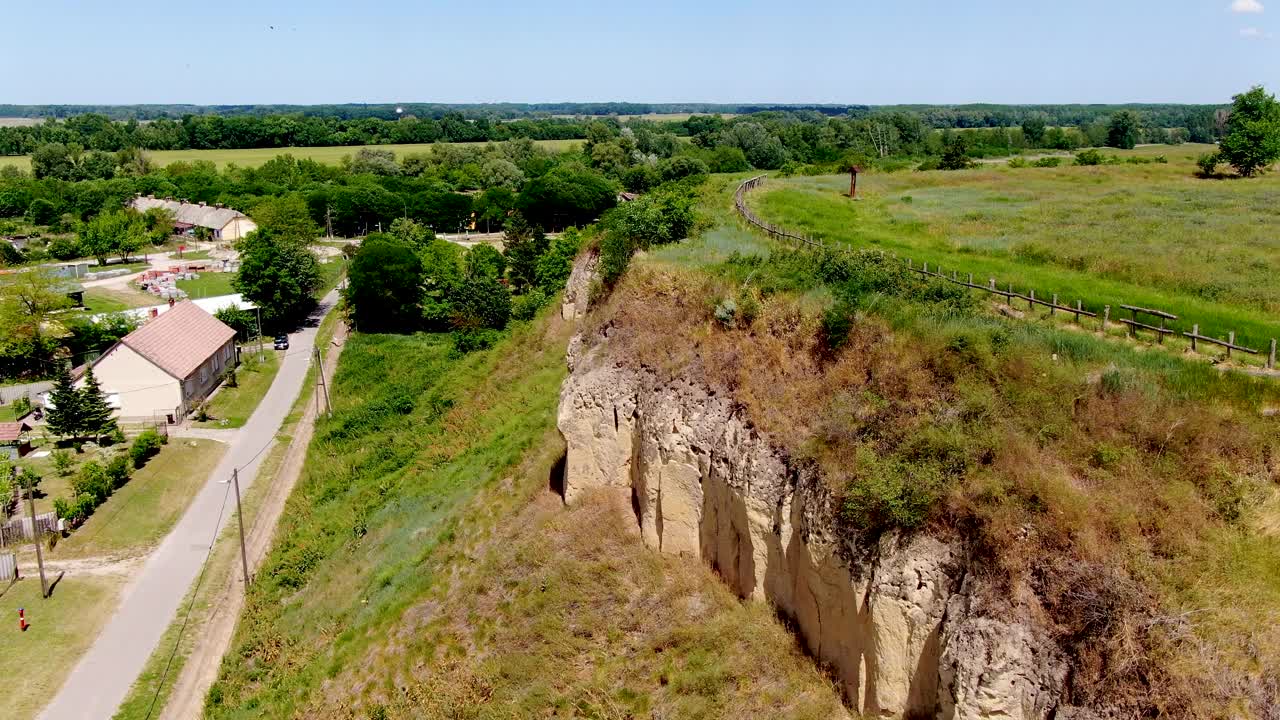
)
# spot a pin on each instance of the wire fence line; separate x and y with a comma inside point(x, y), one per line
point(1141, 323)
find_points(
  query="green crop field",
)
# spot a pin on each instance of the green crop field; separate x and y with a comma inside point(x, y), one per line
point(1142, 234)
point(253, 157)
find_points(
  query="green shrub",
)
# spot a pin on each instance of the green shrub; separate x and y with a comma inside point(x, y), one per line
point(526, 306)
point(84, 506)
point(837, 322)
point(145, 446)
point(748, 306)
point(1089, 157)
point(472, 339)
point(726, 312)
point(891, 493)
point(118, 471)
point(62, 462)
point(1047, 162)
point(1207, 165)
point(92, 480)
point(1018, 162)
point(63, 248)
point(62, 508)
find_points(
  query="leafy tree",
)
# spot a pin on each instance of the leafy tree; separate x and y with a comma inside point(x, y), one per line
point(523, 246)
point(480, 302)
point(955, 152)
point(680, 167)
point(762, 149)
point(286, 217)
point(442, 264)
point(242, 321)
point(63, 248)
point(485, 260)
point(1252, 139)
point(1033, 128)
point(1124, 130)
point(493, 206)
point(556, 264)
point(500, 172)
point(65, 416)
point(42, 212)
point(278, 275)
point(412, 232)
point(10, 255)
point(726, 159)
point(641, 178)
point(373, 161)
point(384, 287)
point(111, 233)
point(53, 160)
point(566, 196)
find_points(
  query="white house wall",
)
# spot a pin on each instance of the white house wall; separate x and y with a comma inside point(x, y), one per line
point(142, 389)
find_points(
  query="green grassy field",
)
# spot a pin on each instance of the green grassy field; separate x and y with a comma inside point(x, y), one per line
point(253, 157)
point(209, 284)
point(1149, 235)
point(114, 299)
point(232, 406)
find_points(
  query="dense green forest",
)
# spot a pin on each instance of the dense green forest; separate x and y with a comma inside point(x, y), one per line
point(153, 128)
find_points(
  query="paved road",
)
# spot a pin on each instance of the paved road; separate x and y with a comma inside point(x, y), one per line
point(100, 681)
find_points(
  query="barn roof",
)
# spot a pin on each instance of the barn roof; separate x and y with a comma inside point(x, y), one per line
point(11, 431)
point(190, 214)
point(181, 340)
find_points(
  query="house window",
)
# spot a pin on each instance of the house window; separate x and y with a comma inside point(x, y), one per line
point(204, 374)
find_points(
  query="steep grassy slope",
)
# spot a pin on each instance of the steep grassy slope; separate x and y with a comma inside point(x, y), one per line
point(425, 570)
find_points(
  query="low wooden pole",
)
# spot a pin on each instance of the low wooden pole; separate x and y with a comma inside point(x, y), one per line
point(1079, 307)
point(1160, 335)
point(1231, 339)
point(1195, 330)
point(1008, 299)
point(1106, 317)
point(1031, 302)
point(1053, 309)
point(1271, 359)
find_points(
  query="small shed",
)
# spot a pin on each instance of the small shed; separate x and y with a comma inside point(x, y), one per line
point(14, 442)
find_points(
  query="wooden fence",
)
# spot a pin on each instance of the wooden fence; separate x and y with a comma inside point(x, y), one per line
point(1141, 320)
point(20, 529)
point(8, 567)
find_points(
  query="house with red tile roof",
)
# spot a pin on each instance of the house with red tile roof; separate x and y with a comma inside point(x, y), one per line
point(13, 439)
point(167, 367)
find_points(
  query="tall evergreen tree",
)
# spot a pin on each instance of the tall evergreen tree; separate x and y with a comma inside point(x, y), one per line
point(64, 418)
point(95, 413)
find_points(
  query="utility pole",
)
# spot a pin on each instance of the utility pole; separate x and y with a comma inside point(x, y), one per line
point(262, 354)
point(244, 558)
point(35, 537)
point(323, 385)
point(328, 220)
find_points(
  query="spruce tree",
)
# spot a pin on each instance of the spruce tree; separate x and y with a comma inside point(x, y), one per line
point(65, 417)
point(95, 414)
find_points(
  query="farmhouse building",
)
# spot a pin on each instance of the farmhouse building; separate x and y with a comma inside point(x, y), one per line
point(225, 223)
point(168, 366)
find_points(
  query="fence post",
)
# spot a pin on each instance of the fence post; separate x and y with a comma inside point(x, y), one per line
point(1231, 338)
point(971, 278)
point(1271, 359)
point(1160, 335)
point(1195, 330)
point(1079, 307)
point(1106, 317)
point(1053, 309)
point(1008, 299)
point(1031, 303)
point(926, 268)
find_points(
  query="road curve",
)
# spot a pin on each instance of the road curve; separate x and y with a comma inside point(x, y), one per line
point(102, 678)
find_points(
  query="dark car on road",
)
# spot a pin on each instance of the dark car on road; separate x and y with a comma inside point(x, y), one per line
point(282, 342)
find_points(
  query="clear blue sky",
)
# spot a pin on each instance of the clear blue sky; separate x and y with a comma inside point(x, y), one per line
point(785, 51)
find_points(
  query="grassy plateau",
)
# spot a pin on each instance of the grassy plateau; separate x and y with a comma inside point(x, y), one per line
point(1151, 235)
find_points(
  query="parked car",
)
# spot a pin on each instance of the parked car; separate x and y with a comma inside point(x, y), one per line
point(282, 342)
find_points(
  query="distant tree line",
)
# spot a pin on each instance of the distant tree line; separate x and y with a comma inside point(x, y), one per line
point(91, 132)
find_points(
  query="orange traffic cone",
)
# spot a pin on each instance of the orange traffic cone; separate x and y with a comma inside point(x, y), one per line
point(22, 619)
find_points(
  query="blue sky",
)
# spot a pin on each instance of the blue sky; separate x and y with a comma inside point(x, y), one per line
point(796, 51)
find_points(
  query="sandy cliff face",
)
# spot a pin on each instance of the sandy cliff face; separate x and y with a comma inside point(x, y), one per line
point(897, 619)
